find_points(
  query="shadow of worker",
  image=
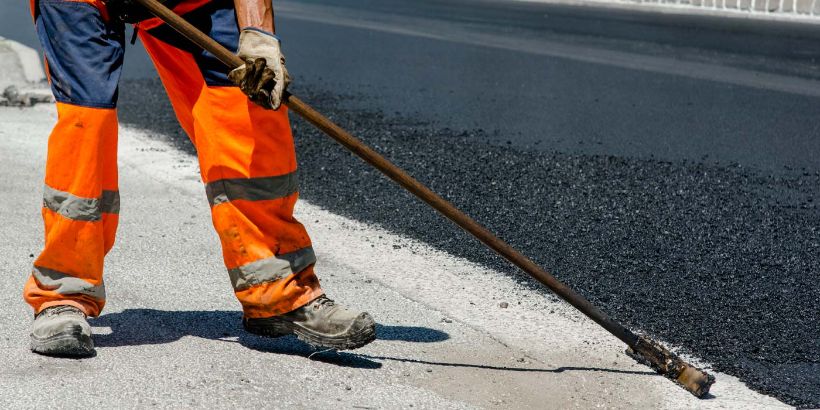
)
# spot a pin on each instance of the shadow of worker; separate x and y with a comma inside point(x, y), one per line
point(133, 327)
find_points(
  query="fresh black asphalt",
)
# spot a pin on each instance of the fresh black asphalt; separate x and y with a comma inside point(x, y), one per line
point(684, 207)
point(720, 260)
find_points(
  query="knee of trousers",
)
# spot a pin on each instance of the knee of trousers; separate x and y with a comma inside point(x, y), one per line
point(82, 151)
point(238, 139)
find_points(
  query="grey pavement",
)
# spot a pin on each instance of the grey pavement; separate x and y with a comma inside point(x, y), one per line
point(170, 335)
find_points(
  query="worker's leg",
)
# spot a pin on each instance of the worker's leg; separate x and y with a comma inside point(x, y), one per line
point(248, 164)
point(84, 56)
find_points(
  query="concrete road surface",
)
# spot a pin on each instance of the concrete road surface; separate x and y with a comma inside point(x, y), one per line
point(171, 337)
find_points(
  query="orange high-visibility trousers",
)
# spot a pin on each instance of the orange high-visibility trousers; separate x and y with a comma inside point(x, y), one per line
point(246, 155)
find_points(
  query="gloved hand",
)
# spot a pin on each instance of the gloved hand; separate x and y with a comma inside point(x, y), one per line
point(263, 77)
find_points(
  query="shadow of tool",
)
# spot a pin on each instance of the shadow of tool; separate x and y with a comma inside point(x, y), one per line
point(511, 369)
point(133, 327)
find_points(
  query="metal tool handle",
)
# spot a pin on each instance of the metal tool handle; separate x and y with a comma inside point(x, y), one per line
point(416, 188)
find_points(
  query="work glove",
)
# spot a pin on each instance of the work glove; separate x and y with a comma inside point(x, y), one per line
point(263, 77)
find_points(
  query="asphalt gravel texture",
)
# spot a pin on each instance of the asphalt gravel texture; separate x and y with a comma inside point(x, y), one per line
point(720, 261)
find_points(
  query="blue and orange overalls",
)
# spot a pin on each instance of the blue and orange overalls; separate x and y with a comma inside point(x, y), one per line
point(246, 156)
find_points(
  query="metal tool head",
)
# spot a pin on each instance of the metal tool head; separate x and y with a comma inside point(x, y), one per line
point(693, 379)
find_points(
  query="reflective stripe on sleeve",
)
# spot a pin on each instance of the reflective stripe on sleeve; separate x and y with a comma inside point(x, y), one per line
point(79, 208)
point(271, 269)
point(251, 189)
point(65, 284)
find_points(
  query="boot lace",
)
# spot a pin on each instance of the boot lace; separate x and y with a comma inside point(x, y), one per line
point(323, 302)
point(59, 309)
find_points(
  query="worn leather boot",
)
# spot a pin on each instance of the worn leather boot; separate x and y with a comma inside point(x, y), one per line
point(61, 331)
point(321, 323)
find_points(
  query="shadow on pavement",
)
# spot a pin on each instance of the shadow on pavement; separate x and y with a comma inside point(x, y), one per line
point(133, 327)
point(511, 369)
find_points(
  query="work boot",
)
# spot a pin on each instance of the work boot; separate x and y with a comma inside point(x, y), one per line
point(61, 331)
point(321, 323)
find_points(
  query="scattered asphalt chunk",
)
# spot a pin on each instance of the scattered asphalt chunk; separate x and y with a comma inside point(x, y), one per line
point(12, 97)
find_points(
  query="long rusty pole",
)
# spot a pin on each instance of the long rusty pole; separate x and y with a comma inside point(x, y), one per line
point(692, 379)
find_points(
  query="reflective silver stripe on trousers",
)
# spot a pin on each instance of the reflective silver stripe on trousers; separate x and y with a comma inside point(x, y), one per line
point(65, 284)
point(271, 269)
point(79, 208)
point(251, 189)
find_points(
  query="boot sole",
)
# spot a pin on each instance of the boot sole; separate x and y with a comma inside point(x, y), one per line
point(274, 327)
point(71, 344)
